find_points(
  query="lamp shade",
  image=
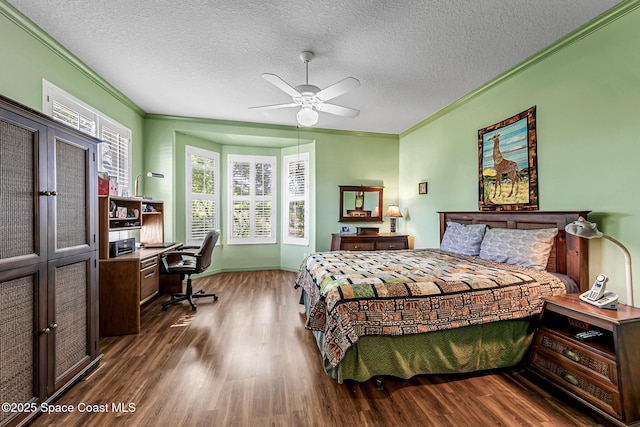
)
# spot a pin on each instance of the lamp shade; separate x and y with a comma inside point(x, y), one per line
point(307, 116)
point(393, 211)
point(583, 228)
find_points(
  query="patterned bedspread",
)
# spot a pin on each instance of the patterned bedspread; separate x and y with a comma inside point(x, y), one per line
point(413, 291)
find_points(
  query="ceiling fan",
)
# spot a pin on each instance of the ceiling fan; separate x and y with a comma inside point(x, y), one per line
point(310, 98)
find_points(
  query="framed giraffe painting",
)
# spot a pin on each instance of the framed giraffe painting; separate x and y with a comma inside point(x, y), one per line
point(507, 164)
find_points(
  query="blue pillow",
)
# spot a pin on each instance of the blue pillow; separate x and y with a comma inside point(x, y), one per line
point(463, 238)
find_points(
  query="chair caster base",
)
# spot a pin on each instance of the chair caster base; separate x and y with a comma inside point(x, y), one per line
point(189, 296)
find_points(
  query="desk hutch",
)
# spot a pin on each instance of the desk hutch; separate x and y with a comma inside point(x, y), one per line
point(130, 280)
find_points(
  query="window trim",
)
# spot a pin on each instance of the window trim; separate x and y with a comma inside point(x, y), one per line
point(189, 196)
point(252, 239)
point(286, 238)
point(51, 93)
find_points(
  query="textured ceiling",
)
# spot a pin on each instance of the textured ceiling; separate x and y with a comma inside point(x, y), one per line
point(204, 58)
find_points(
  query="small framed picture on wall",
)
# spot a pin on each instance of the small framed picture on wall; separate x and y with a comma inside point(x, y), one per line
point(422, 188)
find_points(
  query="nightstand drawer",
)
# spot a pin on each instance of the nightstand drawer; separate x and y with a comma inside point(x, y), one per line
point(390, 244)
point(605, 398)
point(567, 351)
point(358, 246)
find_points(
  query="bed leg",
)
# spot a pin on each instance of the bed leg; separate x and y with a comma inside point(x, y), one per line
point(379, 382)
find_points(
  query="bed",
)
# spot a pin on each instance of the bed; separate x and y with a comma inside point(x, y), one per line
point(434, 311)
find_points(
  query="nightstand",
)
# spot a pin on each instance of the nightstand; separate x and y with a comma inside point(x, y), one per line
point(601, 373)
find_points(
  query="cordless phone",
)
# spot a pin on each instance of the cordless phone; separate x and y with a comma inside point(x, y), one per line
point(598, 295)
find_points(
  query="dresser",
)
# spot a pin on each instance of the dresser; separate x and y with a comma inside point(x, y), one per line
point(369, 242)
point(601, 373)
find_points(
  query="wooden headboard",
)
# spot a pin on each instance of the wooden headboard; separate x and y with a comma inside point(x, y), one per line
point(569, 255)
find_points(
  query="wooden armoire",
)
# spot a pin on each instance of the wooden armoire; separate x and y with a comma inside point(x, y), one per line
point(48, 260)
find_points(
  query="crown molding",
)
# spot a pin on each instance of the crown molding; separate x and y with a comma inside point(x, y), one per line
point(199, 120)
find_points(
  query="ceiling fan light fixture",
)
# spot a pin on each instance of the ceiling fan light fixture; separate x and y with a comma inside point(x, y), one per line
point(307, 116)
point(310, 98)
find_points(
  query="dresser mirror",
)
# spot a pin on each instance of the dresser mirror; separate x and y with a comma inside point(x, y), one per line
point(360, 203)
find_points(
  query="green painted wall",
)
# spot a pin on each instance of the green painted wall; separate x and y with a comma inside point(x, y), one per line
point(352, 160)
point(588, 101)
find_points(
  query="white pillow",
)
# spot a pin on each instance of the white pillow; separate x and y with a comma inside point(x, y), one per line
point(463, 239)
point(528, 248)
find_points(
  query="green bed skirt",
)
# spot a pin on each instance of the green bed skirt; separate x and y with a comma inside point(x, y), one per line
point(467, 349)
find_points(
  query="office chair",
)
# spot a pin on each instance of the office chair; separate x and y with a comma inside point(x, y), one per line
point(186, 263)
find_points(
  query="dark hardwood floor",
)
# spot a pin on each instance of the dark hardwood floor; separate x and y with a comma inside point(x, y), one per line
point(246, 360)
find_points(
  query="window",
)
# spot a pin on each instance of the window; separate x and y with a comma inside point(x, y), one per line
point(203, 193)
point(295, 228)
point(114, 152)
point(252, 199)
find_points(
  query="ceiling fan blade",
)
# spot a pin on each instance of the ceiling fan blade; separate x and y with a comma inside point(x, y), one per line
point(337, 89)
point(338, 110)
point(274, 106)
point(281, 84)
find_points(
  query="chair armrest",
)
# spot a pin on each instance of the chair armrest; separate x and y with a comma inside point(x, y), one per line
point(178, 253)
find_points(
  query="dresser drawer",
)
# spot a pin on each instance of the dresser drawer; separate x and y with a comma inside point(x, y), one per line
point(358, 246)
point(391, 244)
point(577, 382)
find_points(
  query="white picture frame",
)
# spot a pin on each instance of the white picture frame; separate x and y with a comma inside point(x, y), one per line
point(345, 229)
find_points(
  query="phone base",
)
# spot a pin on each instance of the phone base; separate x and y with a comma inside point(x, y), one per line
point(609, 300)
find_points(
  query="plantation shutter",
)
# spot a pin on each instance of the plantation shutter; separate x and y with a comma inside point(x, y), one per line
point(295, 230)
point(114, 151)
point(202, 180)
point(252, 199)
point(115, 154)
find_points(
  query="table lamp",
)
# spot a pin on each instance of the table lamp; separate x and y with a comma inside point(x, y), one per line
point(393, 212)
point(589, 230)
point(149, 174)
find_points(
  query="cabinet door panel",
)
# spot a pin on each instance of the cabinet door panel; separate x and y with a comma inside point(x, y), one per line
point(23, 176)
point(72, 208)
point(71, 290)
point(21, 348)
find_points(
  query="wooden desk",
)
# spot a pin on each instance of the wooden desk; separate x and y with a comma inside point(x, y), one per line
point(127, 282)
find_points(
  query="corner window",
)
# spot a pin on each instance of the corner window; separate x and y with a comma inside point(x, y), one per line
point(202, 179)
point(296, 199)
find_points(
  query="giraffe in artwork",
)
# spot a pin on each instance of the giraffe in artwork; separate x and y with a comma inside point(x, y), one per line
point(503, 166)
